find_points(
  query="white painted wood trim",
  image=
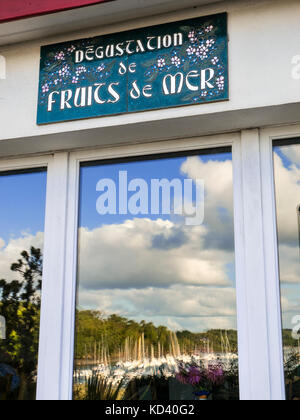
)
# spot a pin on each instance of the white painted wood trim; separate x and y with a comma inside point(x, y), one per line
point(52, 309)
point(254, 325)
point(268, 135)
point(240, 257)
point(69, 303)
point(144, 149)
point(25, 163)
point(273, 294)
point(49, 346)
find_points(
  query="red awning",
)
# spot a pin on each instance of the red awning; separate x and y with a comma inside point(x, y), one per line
point(20, 9)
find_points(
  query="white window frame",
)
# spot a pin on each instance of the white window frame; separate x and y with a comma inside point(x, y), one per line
point(256, 255)
point(76, 159)
point(273, 293)
point(30, 163)
point(254, 345)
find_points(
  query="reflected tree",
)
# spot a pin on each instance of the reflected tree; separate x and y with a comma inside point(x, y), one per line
point(20, 306)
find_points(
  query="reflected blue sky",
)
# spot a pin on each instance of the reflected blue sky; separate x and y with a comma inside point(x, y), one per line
point(154, 267)
point(147, 170)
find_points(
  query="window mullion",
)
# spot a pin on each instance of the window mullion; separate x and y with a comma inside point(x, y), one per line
point(272, 270)
point(250, 267)
point(49, 369)
point(69, 303)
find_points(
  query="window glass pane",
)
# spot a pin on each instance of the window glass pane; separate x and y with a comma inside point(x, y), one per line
point(156, 302)
point(287, 181)
point(21, 244)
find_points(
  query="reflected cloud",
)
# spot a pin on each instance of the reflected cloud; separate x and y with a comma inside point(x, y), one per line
point(218, 181)
point(289, 264)
point(195, 307)
point(292, 153)
point(10, 252)
point(288, 198)
point(105, 250)
point(176, 239)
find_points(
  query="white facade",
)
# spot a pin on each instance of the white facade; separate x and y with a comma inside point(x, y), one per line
point(264, 74)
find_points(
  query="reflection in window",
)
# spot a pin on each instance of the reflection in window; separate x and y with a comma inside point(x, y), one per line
point(21, 243)
point(156, 303)
point(287, 181)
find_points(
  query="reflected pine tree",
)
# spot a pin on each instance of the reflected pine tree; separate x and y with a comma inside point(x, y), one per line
point(20, 303)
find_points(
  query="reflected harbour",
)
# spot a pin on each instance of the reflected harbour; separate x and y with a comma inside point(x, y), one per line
point(158, 364)
point(156, 301)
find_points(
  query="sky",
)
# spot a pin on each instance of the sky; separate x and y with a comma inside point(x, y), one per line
point(154, 267)
point(147, 170)
point(22, 216)
point(23, 204)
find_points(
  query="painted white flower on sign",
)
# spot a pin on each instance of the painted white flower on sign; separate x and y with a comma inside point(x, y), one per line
point(176, 61)
point(45, 88)
point(209, 28)
point(202, 52)
point(101, 68)
point(191, 50)
point(221, 82)
point(80, 70)
point(210, 43)
point(192, 36)
point(60, 56)
point(71, 49)
point(64, 72)
point(161, 63)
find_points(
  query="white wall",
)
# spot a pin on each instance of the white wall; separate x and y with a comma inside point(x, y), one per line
point(264, 37)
